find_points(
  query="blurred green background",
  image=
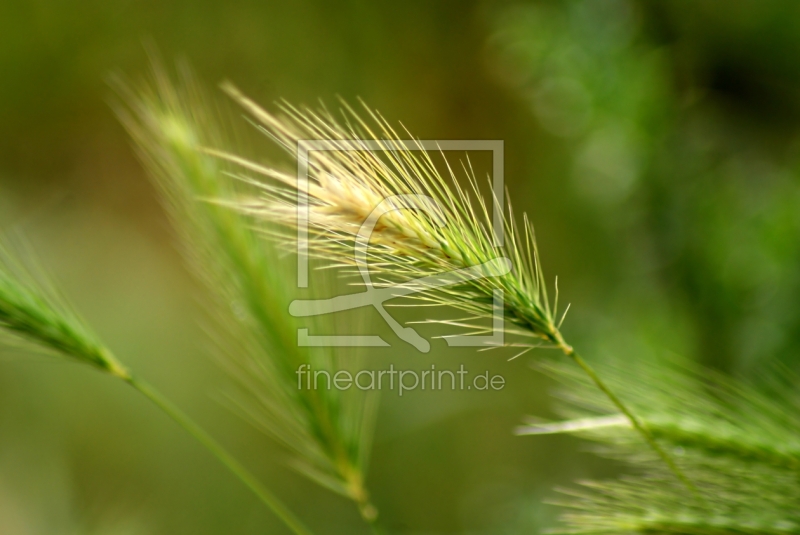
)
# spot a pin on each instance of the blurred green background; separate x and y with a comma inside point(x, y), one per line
point(654, 144)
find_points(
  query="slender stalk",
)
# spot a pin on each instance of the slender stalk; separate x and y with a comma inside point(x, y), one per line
point(635, 422)
point(358, 492)
point(376, 527)
point(269, 499)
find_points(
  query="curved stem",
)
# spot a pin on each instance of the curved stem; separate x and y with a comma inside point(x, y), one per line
point(269, 499)
point(635, 422)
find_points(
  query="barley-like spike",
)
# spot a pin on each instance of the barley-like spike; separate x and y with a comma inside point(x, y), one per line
point(180, 140)
point(347, 185)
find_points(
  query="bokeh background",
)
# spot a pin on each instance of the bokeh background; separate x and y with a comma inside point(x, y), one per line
point(654, 145)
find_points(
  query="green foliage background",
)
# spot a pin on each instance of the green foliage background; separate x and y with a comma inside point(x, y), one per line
point(653, 143)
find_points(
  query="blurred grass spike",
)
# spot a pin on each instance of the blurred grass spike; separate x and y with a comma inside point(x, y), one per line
point(573, 426)
point(328, 431)
point(738, 442)
point(31, 309)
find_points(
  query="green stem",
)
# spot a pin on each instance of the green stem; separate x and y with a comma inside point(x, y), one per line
point(377, 529)
point(269, 499)
point(635, 422)
point(370, 515)
point(359, 494)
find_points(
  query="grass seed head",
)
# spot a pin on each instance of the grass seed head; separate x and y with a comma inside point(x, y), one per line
point(407, 243)
point(31, 310)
